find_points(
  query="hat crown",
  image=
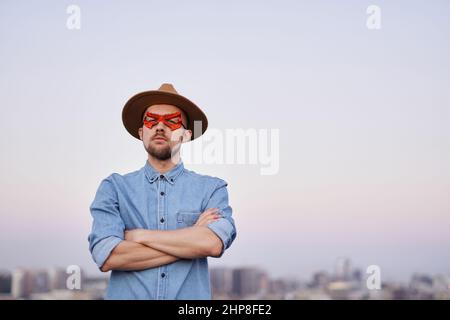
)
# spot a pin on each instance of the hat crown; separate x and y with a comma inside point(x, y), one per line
point(167, 87)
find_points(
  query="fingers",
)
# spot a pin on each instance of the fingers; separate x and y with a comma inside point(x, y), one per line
point(209, 220)
point(205, 222)
point(208, 213)
point(208, 216)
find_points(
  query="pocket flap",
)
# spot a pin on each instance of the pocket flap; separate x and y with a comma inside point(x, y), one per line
point(188, 217)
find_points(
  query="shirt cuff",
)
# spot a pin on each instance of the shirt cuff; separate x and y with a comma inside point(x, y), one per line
point(103, 249)
point(225, 231)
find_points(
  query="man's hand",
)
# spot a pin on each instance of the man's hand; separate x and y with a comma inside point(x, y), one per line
point(208, 216)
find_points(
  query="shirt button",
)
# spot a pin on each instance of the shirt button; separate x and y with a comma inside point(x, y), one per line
point(162, 220)
point(161, 177)
point(162, 193)
point(163, 275)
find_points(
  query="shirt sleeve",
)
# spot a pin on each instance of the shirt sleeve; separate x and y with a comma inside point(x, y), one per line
point(224, 227)
point(107, 226)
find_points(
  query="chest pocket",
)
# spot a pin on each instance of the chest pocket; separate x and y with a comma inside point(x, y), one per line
point(187, 218)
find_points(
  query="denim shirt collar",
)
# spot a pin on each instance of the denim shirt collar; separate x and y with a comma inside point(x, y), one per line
point(170, 176)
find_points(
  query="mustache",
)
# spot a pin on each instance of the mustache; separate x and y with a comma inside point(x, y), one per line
point(180, 139)
point(159, 136)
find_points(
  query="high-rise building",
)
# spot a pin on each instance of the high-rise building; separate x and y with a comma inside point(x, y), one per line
point(221, 281)
point(5, 282)
point(21, 284)
point(248, 281)
point(40, 281)
point(320, 280)
point(57, 278)
point(343, 269)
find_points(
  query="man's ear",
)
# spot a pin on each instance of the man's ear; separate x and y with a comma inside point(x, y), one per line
point(140, 133)
point(187, 135)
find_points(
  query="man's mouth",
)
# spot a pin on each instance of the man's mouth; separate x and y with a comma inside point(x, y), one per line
point(159, 138)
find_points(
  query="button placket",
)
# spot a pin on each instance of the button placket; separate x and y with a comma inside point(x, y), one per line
point(161, 203)
point(162, 270)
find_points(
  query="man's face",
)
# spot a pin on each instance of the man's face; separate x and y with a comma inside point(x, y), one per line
point(159, 140)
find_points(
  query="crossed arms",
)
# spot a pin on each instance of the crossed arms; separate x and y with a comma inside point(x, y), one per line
point(113, 247)
point(143, 249)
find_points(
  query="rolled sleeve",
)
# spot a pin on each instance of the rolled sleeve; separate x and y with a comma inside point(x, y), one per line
point(103, 249)
point(107, 226)
point(224, 227)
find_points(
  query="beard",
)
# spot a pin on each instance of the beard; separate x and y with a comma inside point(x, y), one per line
point(162, 153)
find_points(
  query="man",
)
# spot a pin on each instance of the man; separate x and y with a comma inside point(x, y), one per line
point(155, 227)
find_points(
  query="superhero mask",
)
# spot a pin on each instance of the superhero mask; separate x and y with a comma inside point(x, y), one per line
point(173, 120)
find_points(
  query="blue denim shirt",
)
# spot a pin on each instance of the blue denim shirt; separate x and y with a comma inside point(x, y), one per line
point(150, 200)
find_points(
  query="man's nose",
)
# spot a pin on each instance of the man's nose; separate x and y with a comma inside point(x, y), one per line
point(160, 126)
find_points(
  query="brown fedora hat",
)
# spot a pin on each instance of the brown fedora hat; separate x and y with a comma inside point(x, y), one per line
point(133, 111)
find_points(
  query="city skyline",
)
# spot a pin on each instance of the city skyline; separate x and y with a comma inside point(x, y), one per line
point(346, 281)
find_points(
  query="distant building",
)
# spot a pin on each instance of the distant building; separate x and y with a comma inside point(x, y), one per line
point(57, 278)
point(21, 284)
point(249, 282)
point(40, 281)
point(320, 280)
point(5, 282)
point(421, 287)
point(343, 269)
point(221, 281)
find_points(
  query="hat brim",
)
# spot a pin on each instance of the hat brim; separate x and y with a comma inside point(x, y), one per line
point(133, 111)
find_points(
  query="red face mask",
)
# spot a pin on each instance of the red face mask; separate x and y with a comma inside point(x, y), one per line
point(173, 120)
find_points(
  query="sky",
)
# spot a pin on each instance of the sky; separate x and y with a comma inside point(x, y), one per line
point(364, 140)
